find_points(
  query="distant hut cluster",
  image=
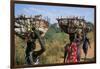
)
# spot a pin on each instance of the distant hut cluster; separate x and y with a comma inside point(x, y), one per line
point(25, 24)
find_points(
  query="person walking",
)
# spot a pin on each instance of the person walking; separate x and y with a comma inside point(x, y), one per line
point(32, 56)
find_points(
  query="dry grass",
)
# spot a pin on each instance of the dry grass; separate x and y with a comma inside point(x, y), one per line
point(54, 49)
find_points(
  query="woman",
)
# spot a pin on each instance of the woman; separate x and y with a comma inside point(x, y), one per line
point(86, 43)
point(71, 52)
point(31, 55)
point(78, 41)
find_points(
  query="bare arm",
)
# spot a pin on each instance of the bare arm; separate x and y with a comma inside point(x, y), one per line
point(65, 54)
point(41, 41)
point(88, 42)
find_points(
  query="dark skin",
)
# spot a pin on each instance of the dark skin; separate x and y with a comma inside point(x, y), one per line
point(84, 45)
point(31, 45)
point(71, 38)
point(65, 53)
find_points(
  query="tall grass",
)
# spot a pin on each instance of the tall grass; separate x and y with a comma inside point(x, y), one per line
point(54, 48)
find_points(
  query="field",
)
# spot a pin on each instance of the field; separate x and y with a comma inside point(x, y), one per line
point(55, 42)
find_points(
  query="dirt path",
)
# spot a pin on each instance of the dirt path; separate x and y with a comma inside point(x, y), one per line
point(90, 54)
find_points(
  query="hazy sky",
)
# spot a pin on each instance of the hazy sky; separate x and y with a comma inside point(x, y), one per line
point(54, 11)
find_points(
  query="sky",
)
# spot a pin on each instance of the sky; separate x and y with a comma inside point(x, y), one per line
point(54, 11)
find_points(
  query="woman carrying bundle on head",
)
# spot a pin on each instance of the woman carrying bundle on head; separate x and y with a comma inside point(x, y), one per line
point(70, 55)
point(32, 56)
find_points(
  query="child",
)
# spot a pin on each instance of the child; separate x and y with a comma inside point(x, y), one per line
point(71, 51)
